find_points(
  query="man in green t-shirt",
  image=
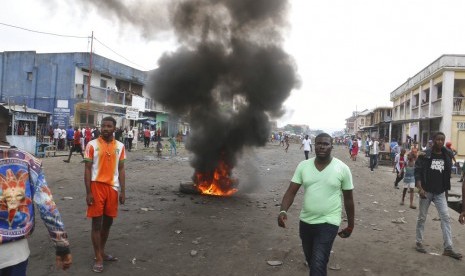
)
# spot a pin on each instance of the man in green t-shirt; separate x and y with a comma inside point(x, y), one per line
point(325, 180)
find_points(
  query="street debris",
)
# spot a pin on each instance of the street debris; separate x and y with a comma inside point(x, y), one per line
point(399, 220)
point(274, 263)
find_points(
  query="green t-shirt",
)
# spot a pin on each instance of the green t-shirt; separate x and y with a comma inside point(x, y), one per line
point(323, 190)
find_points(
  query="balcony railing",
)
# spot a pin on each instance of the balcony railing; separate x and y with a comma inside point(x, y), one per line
point(459, 106)
point(111, 97)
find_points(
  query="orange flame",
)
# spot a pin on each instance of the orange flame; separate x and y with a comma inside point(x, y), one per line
point(217, 183)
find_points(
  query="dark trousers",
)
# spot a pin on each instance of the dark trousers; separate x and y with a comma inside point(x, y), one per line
point(146, 142)
point(130, 144)
point(399, 177)
point(14, 270)
point(373, 161)
point(317, 241)
point(306, 154)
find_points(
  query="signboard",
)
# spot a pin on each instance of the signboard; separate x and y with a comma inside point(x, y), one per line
point(21, 116)
point(132, 113)
point(61, 116)
point(138, 102)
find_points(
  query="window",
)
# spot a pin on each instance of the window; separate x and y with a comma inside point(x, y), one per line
point(29, 76)
point(103, 83)
point(439, 91)
point(83, 118)
point(415, 102)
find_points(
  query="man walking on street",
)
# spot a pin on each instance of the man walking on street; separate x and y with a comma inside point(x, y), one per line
point(104, 175)
point(374, 150)
point(76, 145)
point(432, 178)
point(22, 183)
point(325, 180)
point(306, 144)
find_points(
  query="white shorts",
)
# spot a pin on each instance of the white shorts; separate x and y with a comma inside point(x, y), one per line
point(410, 185)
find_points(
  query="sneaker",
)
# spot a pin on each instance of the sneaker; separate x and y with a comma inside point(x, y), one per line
point(420, 248)
point(66, 161)
point(451, 253)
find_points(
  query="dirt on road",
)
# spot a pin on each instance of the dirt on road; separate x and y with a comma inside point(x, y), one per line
point(160, 231)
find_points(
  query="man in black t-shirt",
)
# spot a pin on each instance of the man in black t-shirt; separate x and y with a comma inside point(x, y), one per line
point(432, 178)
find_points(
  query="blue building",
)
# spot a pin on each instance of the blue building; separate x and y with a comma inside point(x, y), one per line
point(59, 84)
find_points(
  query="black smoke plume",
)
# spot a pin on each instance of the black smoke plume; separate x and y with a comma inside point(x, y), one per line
point(231, 49)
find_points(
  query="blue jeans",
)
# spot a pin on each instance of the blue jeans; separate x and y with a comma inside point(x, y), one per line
point(15, 270)
point(172, 149)
point(317, 241)
point(441, 205)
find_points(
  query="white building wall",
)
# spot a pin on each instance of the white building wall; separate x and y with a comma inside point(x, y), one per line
point(96, 77)
point(447, 103)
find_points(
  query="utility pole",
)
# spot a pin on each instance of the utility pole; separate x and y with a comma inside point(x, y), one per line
point(90, 78)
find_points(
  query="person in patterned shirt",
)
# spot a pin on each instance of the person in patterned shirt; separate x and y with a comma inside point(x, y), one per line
point(22, 183)
point(104, 176)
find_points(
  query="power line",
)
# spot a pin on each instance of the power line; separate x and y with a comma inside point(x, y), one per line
point(72, 36)
point(40, 32)
point(119, 54)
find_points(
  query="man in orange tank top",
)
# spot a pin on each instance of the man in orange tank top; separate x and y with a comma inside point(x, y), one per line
point(104, 176)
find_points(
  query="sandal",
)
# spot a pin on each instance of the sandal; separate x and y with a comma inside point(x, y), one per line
point(97, 268)
point(413, 207)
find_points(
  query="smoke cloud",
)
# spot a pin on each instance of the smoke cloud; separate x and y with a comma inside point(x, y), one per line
point(228, 77)
point(231, 53)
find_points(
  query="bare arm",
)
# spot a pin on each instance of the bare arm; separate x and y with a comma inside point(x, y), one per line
point(350, 211)
point(122, 182)
point(349, 206)
point(462, 214)
point(87, 179)
point(288, 199)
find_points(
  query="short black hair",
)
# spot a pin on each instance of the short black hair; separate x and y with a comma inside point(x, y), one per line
point(4, 112)
point(109, 119)
point(324, 135)
point(438, 133)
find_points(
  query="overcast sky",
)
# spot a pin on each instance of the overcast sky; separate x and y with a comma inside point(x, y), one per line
point(350, 53)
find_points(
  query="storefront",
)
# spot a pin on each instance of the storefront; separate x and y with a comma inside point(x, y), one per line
point(27, 127)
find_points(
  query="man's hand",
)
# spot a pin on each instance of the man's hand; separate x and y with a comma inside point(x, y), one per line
point(89, 199)
point(282, 218)
point(462, 217)
point(122, 197)
point(422, 193)
point(345, 233)
point(64, 262)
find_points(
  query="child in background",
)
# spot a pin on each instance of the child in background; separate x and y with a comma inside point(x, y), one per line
point(354, 151)
point(409, 179)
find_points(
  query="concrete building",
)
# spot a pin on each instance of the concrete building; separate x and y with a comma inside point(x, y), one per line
point(378, 122)
point(351, 124)
point(432, 100)
point(59, 83)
